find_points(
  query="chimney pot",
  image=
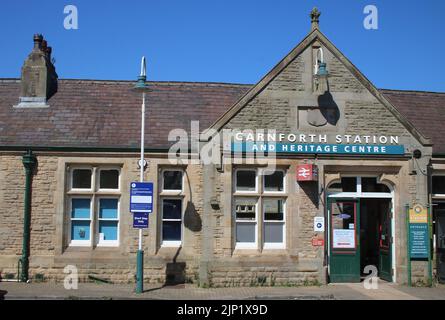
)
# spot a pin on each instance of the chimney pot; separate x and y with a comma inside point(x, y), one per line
point(39, 77)
point(38, 38)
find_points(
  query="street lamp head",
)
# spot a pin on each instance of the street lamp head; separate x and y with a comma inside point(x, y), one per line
point(142, 78)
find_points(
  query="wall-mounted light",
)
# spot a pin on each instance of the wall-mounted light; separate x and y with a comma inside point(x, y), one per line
point(320, 73)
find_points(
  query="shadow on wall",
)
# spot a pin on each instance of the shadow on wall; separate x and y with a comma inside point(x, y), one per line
point(192, 220)
point(310, 188)
point(328, 108)
point(175, 271)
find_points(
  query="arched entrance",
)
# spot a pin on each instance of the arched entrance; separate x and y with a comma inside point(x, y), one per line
point(360, 234)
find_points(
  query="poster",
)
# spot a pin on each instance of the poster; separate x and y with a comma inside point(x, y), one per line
point(343, 239)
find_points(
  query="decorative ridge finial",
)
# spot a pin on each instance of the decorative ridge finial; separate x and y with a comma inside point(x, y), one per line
point(315, 15)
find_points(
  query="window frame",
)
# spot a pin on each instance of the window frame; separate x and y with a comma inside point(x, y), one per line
point(71, 178)
point(99, 189)
point(107, 243)
point(267, 192)
point(436, 195)
point(248, 245)
point(94, 194)
point(274, 245)
point(256, 191)
point(172, 191)
point(172, 243)
point(80, 243)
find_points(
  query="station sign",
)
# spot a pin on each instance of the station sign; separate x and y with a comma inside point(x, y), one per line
point(418, 232)
point(140, 220)
point(307, 172)
point(141, 197)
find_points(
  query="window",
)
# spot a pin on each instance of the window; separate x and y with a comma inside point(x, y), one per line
point(81, 179)
point(94, 212)
point(439, 185)
point(371, 185)
point(360, 185)
point(109, 179)
point(246, 222)
point(273, 223)
point(274, 182)
point(246, 180)
point(172, 180)
point(81, 221)
point(108, 225)
point(172, 207)
point(249, 200)
point(171, 221)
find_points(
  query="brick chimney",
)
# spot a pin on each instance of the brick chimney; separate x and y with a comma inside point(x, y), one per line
point(39, 77)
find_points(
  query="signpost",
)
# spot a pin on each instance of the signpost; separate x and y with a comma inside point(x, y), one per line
point(419, 237)
point(141, 197)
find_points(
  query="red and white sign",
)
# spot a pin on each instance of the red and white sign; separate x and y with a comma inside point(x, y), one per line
point(317, 242)
point(307, 172)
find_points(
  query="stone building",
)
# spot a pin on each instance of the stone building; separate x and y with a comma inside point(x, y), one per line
point(319, 193)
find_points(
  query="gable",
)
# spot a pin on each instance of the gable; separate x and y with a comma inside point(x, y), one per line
point(285, 100)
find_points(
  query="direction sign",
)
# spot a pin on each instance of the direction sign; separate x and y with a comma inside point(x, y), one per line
point(318, 224)
point(141, 197)
point(140, 220)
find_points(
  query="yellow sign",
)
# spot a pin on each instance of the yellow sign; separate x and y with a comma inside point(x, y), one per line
point(418, 214)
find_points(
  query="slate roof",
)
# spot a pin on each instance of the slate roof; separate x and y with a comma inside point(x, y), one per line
point(106, 114)
point(425, 110)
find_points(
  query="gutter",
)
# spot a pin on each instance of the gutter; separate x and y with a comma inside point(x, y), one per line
point(29, 161)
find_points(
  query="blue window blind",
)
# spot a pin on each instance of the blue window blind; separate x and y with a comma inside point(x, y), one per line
point(80, 208)
point(109, 229)
point(108, 219)
point(108, 208)
point(80, 230)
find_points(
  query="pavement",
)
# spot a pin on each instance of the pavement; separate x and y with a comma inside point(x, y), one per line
point(97, 291)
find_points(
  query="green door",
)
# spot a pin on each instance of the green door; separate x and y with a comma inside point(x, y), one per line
point(385, 241)
point(344, 225)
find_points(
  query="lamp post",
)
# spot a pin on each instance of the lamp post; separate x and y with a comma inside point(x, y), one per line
point(141, 85)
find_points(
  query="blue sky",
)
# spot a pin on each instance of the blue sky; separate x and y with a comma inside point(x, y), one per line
point(225, 40)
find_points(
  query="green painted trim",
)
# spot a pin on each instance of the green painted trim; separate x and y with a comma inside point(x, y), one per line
point(29, 162)
point(81, 149)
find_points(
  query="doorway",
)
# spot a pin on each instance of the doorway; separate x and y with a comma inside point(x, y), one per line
point(439, 228)
point(375, 236)
point(360, 229)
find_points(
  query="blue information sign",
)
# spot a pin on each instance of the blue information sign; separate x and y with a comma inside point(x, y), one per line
point(140, 220)
point(418, 240)
point(141, 197)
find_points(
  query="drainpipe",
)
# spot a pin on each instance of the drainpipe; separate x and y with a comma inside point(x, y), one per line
point(29, 161)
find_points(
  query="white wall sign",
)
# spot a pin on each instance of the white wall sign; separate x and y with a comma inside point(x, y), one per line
point(343, 239)
point(319, 224)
